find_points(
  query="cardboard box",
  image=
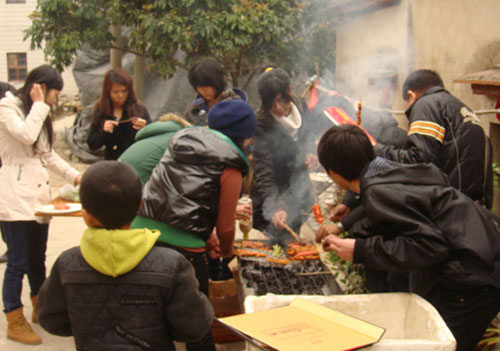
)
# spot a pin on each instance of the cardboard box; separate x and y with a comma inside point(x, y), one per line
point(411, 323)
point(305, 325)
point(226, 301)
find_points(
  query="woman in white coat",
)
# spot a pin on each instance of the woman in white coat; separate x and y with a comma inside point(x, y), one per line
point(26, 137)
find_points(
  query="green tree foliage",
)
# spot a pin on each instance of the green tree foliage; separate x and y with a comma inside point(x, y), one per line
point(245, 35)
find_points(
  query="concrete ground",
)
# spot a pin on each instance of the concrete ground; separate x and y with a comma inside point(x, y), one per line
point(64, 233)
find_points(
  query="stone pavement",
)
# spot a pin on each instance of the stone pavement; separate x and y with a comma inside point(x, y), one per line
point(64, 233)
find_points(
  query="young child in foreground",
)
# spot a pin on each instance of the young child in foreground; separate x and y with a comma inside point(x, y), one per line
point(117, 290)
point(416, 223)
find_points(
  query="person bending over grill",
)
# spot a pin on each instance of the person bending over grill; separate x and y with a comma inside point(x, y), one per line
point(442, 130)
point(195, 187)
point(416, 223)
point(282, 192)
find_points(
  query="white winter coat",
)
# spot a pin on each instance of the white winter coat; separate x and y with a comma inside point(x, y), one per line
point(24, 180)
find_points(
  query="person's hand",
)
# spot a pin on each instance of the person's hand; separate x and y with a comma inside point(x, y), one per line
point(279, 219)
point(312, 161)
point(212, 246)
point(78, 179)
point(338, 212)
point(342, 247)
point(36, 93)
point(243, 211)
point(138, 123)
point(109, 125)
point(325, 230)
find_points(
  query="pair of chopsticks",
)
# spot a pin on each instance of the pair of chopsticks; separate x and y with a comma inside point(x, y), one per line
point(126, 120)
point(290, 230)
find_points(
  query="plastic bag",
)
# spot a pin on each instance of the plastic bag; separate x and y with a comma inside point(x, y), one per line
point(69, 192)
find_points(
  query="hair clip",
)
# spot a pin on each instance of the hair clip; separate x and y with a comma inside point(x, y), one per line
point(268, 69)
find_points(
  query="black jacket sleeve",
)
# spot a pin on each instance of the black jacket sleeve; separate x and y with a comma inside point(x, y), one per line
point(421, 147)
point(396, 236)
point(351, 200)
point(97, 136)
point(357, 214)
point(188, 312)
point(52, 309)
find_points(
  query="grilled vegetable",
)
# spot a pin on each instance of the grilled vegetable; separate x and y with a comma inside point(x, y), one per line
point(277, 251)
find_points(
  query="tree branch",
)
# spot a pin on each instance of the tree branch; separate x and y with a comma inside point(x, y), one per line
point(111, 46)
point(249, 79)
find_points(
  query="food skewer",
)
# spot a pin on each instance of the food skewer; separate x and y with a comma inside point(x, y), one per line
point(314, 273)
point(358, 112)
point(320, 219)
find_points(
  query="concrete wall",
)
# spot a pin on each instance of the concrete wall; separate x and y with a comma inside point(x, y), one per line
point(453, 37)
point(457, 37)
point(13, 21)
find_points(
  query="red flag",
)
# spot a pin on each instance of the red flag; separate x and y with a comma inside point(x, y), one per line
point(313, 97)
point(338, 116)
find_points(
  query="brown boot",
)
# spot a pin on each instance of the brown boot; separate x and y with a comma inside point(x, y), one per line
point(19, 329)
point(34, 301)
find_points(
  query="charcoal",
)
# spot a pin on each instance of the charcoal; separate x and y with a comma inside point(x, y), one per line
point(264, 277)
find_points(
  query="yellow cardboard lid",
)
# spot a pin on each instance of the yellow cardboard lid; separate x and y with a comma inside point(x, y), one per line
point(305, 325)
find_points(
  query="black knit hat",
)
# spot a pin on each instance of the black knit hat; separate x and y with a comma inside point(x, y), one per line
point(234, 118)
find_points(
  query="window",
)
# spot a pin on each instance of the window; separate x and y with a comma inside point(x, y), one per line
point(17, 66)
point(16, 1)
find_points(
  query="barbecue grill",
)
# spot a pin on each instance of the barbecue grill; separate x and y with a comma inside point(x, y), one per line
point(308, 277)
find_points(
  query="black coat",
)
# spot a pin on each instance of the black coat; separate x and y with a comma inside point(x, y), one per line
point(281, 178)
point(444, 131)
point(183, 190)
point(415, 222)
point(122, 137)
point(145, 309)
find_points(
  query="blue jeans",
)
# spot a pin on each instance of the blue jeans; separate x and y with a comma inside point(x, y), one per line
point(26, 246)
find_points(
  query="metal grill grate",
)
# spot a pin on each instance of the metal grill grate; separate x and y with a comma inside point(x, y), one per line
point(259, 277)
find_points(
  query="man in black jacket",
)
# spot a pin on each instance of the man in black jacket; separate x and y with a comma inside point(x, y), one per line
point(443, 131)
point(416, 223)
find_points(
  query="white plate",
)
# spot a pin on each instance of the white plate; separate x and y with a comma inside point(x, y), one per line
point(49, 209)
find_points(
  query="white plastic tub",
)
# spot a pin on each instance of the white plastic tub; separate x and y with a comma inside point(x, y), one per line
point(411, 323)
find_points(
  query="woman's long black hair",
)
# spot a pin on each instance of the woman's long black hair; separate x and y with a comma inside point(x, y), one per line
point(41, 75)
point(271, 83)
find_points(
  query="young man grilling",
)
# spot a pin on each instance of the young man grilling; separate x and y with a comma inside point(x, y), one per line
point(416, 223)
